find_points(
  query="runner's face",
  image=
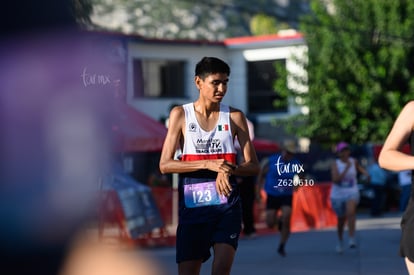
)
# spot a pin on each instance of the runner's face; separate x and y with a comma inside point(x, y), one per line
point(213, 87)
point(345, 153)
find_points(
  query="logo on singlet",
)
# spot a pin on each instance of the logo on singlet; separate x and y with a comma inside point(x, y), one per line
point(192, 127)
point(233, 236)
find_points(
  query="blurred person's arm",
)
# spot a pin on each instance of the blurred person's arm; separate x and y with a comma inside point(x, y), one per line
point(260, 180)
point(391, 157)
point(88, 257)
point(362, 170)
point(335, 175)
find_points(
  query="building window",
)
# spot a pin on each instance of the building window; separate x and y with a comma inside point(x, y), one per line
point(158, 78)
point(262, 97)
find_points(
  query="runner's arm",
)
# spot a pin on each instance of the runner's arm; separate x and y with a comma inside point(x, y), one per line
point(167, 162)
point(250, 164)
point(336, 177)
point(391, 157)
point(362, 170)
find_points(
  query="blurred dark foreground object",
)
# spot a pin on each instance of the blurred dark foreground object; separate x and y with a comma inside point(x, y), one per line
point(54, 147)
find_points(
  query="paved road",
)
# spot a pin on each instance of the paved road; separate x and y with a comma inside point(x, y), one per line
point(313, 252)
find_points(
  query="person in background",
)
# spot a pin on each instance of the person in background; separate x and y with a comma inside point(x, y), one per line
point(345, 193)
point(404, 180)
point(378, 178)
point(392, 158)
point(277, 177)
point(247, 195)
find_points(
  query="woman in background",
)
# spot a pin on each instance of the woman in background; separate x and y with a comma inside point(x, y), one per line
point(345, 192)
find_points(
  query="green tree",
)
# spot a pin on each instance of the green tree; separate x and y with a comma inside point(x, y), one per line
point(263, 24)
point(359, 69)
point(82, 10)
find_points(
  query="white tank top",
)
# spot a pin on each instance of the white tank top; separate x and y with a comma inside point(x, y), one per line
point(215, 144)
point(349, 184)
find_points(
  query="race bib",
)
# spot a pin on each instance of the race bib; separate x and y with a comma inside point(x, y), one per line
point(348, 182)
point(202, 194)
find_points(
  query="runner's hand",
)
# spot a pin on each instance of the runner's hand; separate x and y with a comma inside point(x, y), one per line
point(223, 184)
point(220, 166)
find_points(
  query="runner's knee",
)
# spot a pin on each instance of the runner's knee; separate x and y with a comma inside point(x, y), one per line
point(271, 219)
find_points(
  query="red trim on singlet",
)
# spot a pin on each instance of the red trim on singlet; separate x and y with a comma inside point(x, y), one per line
point(230, 157)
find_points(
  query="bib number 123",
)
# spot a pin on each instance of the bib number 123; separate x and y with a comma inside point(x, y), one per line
point(202, 194)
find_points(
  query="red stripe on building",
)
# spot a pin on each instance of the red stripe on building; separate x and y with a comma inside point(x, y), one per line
point(261, 38)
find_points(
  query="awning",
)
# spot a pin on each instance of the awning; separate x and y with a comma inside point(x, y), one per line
point(134, 131)
point(265, 145)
